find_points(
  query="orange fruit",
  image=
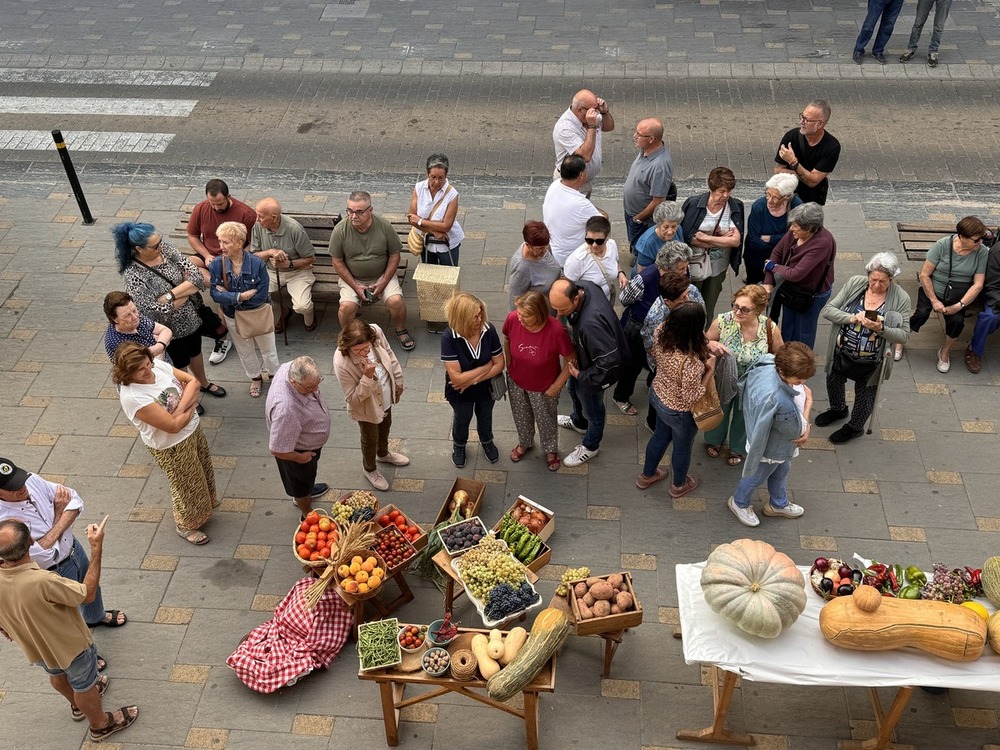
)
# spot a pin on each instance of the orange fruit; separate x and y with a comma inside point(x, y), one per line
point(363, 588)
point(361, 576)
point(374, 582)
point(344, 571)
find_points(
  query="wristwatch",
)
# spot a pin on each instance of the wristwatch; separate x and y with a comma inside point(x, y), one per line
point(170, 296)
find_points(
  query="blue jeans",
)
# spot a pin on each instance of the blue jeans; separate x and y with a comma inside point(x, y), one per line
point(449, 258)
point(75, 568)
point(635, 231)
point(589, 413)
point(774, 474)
point(675, 427)
point(987, 322)
point(888, 12)
point(941, 9)
point(797, 326)
point(82, 673)
point(463, 412)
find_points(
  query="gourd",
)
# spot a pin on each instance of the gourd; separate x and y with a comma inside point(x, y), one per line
point(990, 577)
point(756, 587)
point(487, 664)
point(512, 644)
point(551, 628)
point(495, 646)
point(868, 621)
point(992, 631)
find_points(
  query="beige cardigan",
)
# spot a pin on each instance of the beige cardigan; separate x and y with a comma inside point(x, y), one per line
point(362, 394)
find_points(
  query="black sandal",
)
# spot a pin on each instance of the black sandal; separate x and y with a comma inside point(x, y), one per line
point(214, 390)
point(113, 622)
point(405, 339)
point(102, 685)
point(99, 735)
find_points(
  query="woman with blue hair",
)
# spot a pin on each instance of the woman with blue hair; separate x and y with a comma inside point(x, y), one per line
point(165, 287)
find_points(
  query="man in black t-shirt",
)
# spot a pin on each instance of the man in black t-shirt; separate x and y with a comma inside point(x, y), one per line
point(810, 153)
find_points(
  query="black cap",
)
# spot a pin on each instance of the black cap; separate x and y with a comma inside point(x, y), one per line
point(11, 477)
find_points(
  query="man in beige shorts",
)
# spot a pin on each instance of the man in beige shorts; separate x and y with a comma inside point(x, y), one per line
point(282, 243)
point(365, 251)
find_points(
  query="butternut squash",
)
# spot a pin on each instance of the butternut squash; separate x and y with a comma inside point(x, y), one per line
point(487, 664)
point(867, 621)
point(512, 644)
point(551, 628)
point(495, 646)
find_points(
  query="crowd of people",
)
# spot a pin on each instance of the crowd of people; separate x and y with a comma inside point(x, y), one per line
point(738, 375)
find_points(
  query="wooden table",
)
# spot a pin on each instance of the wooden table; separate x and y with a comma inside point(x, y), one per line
point(357, 606)
point(612, 638)
point(392, 684)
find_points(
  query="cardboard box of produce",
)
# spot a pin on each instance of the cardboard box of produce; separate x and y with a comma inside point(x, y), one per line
point(421, 541)
point(608, 623)
point(475, 490)
point(550, 518)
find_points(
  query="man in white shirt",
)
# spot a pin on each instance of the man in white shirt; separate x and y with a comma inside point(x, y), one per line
point(578, 131)
point(565, 210)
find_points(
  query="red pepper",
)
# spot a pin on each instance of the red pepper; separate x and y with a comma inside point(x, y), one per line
point(892, 579)
point(975, 576)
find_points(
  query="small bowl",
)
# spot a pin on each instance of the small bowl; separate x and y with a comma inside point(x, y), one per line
point(436, 641)
point(411, 650)
point(435, 651)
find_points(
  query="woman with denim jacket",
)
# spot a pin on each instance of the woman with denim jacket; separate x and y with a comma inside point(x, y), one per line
point(239, 282)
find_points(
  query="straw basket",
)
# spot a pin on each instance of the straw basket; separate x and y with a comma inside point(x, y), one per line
point(435, 286)
point(365, 554)
point(333, 547)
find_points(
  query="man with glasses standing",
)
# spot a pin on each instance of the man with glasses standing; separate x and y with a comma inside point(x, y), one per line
point(365, 251)
point(810, 153)
point(578, 131)
point(649, 181)
point(298, 426)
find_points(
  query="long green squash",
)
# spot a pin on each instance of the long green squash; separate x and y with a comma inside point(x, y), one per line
point(551, 628)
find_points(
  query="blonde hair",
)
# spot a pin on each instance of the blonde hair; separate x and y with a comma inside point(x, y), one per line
point(758, 296)
point(534, 305)
point(129, 357)
point(232, 230)
point(461, 313)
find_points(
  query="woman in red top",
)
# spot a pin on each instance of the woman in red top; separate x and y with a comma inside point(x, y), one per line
point(533, 342)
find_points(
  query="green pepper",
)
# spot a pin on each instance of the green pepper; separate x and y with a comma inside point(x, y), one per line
point(916, 575)
point(910, 591)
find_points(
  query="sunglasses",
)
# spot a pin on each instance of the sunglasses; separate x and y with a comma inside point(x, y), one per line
point(595, 240)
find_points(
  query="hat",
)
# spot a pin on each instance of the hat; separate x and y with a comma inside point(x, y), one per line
point(11, 477)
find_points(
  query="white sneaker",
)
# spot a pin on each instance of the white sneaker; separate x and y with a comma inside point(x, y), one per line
point(579, 456)
point(396, 459)
point(564, 420)
point(746, 515)
point(376, 480)
point(222, 347)
point(789, 511)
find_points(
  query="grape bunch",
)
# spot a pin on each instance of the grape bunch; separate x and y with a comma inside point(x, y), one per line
point(505, 600)
point(945, 586)
point(362, 514)
point(361, 499)
point(342, 513)
point(489, 564)
point(573, 574)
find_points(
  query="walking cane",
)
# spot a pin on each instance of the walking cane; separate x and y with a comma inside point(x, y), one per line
point(893, 319)
point(281, 306)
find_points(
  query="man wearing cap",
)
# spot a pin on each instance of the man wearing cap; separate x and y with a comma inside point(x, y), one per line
point(49, 510)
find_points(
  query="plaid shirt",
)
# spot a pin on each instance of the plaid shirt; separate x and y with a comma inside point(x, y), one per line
point(294, 421)
point(294, 643)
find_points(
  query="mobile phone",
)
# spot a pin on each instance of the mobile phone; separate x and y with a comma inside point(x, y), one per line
point(871, 314)
point(369, 295)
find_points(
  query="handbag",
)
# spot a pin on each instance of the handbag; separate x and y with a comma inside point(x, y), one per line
point(498, 387)
point(769, 324)
point(699, 264)
point(794, 297)
point(852, 368)
point(415, 240)
point(707, 411)
point(250, 323)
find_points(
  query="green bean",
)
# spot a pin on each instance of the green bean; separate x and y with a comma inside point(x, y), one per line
point(378, 643)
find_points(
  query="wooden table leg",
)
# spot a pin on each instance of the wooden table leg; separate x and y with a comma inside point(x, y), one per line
point(390, 716)
point(611, 643)
point(886, 724)
point(531, 719)
point(721, 699)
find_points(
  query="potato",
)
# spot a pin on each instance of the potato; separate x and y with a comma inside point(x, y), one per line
point(615, 580)
point(615, 609)
point(589, 599)
point(580, 589)
point(593, 579)
point(623, 586)
point(623, 600)
point(602, 591)
point(586, 612)
point(602, 608)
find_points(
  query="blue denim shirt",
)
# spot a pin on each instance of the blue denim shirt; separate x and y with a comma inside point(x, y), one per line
point(772, 419)
point(253, 275)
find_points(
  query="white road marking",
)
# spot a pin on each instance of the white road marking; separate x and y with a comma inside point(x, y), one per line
point(46, 105)
point(86, 140)
point(108, 77)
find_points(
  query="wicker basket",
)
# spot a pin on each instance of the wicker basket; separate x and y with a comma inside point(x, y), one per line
point(333, 547)
point(379, 563)
point(435, 286)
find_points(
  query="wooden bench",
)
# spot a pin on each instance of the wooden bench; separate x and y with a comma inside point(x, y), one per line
point(917, 239)
point(318, 227)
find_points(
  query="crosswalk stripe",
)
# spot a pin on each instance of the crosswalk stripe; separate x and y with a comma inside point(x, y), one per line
point(44, 105)
point(108, 77)
point(86, 140)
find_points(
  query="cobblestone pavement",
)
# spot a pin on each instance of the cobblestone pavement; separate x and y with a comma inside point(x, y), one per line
point(920, 489)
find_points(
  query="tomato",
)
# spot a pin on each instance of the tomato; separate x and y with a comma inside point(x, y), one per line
point(311, 543)
point(393, 515)
point(314, 528)
point(325, 524)
point(413, 531)
point(313, 556)
point(304, 526)
point(300, 537)
point(312, 517)
point(384, 521)
point(324, 552)
point(303, 551)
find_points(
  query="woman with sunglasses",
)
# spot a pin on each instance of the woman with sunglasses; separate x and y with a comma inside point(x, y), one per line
point(951, 278)
point(742, 334)
point(596, 260)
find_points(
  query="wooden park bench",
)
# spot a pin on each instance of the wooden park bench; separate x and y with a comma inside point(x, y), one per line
point(917, 239)
point(318, 227)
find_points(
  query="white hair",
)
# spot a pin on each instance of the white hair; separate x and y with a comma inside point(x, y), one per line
point(887, 263)
point(784, 182)
point(302, 369)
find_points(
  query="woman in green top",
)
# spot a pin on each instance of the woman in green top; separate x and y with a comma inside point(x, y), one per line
point(950, 280)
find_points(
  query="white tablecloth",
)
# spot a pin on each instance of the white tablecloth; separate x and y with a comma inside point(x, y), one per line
point(802, 656)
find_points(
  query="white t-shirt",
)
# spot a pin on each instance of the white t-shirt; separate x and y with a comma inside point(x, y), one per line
point(567, 136)
point(425, 202)
point(166, 391)
point(565, 212)
point(582, 264)
point(382, 376)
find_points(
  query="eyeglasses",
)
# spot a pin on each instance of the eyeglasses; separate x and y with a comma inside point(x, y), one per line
point(742, 310)
point(362, 212)
point(595, 240)
point(637, 134)
point(803, 118)
point(976, 240)
point(154, 248)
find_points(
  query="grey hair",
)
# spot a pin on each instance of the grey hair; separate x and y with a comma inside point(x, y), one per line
point(667, 211)
point(360, 195)
point(303, 368)
point(887, 263)
point(823, 106)
point(671, 254)
point(809, 217)
point(437, 160)
point(784, 182)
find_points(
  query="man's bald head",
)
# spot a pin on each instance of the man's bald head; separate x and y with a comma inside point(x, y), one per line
point(15, 540)
point(268, 213)
point(565, 296)
point(585, 99)
point(651, 126)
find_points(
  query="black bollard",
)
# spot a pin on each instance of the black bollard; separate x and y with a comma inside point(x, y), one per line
point(74, 181)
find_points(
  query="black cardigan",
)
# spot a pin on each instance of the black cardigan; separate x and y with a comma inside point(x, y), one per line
point(696, 208)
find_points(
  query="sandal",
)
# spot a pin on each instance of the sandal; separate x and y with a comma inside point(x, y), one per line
point(255, 385)
point(405, 339)
point(552, 461)
point(102, 685)
point(714, 451)
point(626, 407)
point(195, 536)
point(214, 390)
point(735, 459)
point(518, 453)
point(102, 663)
point(129, 715)
point(111, 620)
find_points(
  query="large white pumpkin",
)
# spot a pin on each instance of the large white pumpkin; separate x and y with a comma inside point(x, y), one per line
point(756, 587)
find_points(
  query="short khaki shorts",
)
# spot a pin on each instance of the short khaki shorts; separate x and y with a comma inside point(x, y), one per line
point(347, 294)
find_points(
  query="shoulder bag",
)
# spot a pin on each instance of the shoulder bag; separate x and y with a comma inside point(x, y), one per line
point(249, 323)
point(416, 239)
point(212, 326)
point(707, 410)
point(700, 262)
point(795, 296)
point(954, 290)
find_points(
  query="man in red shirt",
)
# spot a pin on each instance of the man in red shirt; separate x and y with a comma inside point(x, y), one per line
point(206, 217)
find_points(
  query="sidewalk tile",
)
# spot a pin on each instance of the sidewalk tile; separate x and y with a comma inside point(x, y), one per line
point(212, 739)
point(313, 725)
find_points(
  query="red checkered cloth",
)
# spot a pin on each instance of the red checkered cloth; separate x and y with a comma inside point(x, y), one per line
point(294, 643)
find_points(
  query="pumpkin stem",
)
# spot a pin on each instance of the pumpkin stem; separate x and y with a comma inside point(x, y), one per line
point(755, 587)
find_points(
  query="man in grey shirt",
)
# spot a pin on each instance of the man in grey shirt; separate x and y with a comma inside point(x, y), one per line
point(282, 243)
point(649, 181)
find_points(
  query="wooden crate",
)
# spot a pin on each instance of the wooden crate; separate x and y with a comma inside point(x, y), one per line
point(550, 524)
point(611, 622)
point(476, 490)
point(421, 541)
